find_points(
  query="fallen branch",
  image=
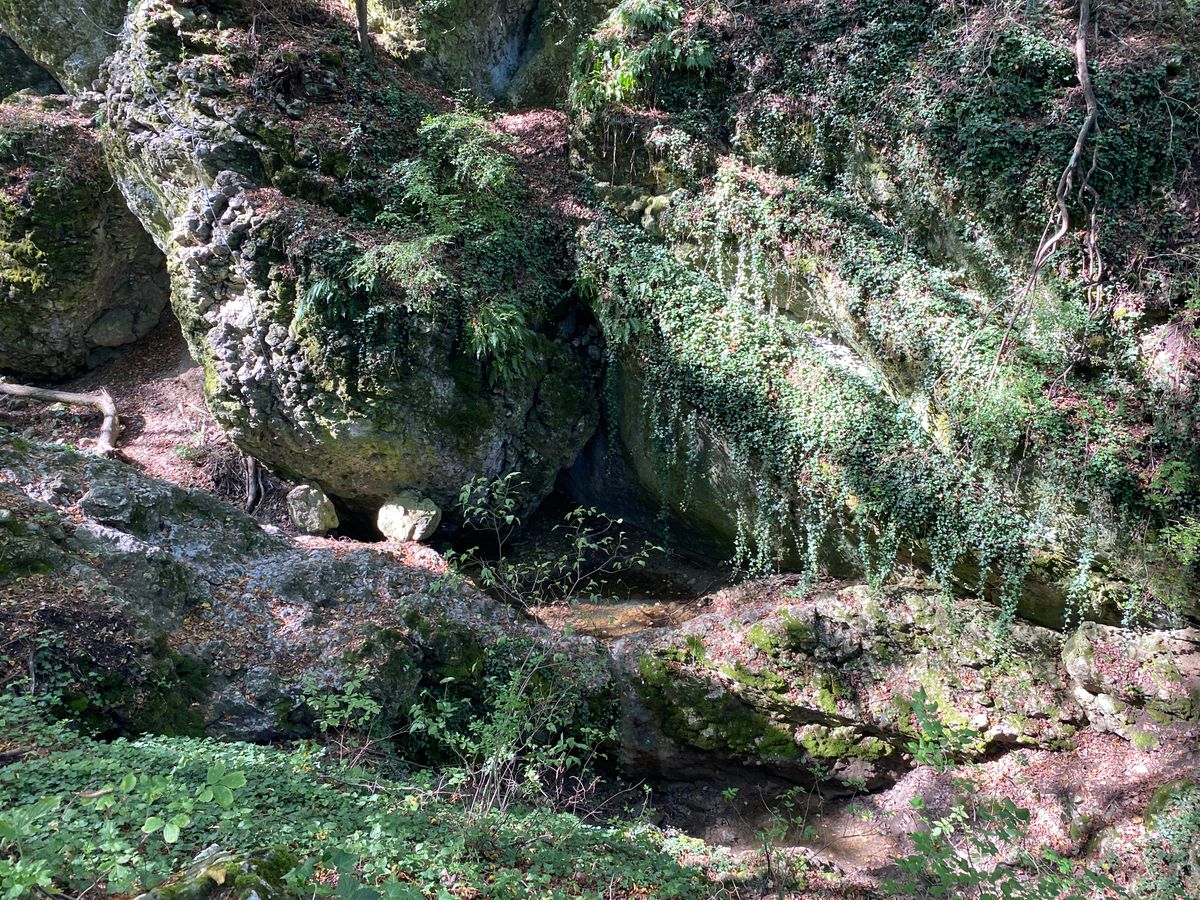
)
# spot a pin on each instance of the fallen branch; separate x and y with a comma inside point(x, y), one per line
point(100, 400)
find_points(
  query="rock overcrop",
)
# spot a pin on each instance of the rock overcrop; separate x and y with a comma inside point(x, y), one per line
point(826, 682)
point(79, 276)
point(205, 621)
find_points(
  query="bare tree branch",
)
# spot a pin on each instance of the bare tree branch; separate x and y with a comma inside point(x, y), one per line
point(100, 400)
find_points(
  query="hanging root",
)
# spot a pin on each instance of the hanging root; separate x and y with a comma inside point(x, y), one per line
point(1060, 220)
point(254, 485)
point(100, 400)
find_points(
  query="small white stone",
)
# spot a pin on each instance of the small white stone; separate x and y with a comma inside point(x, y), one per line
point(408, 517)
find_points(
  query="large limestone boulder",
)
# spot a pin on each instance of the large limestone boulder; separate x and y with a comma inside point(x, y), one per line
point(79, 276)
point(372, 310)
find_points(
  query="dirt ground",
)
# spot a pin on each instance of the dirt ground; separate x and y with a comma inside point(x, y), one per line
point(166, 429)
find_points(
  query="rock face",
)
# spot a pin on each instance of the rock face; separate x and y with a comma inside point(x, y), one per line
point(1141, 685)
point(200, 621)
point(79, 276)
point(799, 286)
point(373, 312)
point(310, 510)
point(822, 684)
point(408, 517)
point(71, 40)
point(515, 50)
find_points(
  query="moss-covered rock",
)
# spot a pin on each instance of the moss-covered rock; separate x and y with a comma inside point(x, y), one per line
point(818, 297)
point(822, 684)
point(70, 41)
point(376, 304)
point(1139, 684)
point(79, 276)
point(151, 608)
point(228, 875)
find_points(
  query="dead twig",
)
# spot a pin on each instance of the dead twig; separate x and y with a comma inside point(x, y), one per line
point(100, 400)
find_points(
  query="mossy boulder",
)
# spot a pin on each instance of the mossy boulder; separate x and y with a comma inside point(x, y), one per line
point(164, 610)
point(79, 276)
point(69, 39)
point(229, 875)
point(376, 305)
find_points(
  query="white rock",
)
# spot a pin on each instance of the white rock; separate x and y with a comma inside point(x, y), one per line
point(408, 517)
point(311, 511)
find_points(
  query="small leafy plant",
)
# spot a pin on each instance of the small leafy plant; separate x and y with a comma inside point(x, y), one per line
point(595, 547)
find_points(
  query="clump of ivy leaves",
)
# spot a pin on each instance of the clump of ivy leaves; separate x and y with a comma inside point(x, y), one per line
point(797, 95)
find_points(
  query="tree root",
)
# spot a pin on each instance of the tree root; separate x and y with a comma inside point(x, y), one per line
point(1060, 220)
point(100, 400)
point(1055, 232)
point(254, 484)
